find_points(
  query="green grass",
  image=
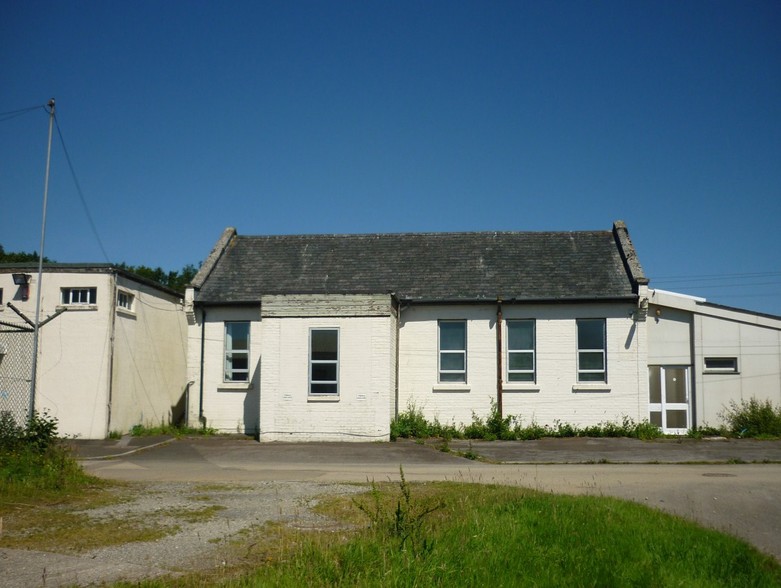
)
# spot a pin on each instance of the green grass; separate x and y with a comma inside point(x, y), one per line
point(450, 534)
point(168, 429)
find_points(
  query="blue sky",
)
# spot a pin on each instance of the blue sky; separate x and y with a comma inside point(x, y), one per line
point(182, 118)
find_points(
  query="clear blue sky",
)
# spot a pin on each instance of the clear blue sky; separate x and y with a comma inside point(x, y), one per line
point(182, 118)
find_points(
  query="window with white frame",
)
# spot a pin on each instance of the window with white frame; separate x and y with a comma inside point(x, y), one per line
point(520, 351)
point(591, 350)
point(125, 300)
point(721, 365)
point(237, 351)
point(79, 295)
point(452, 351)
point(324, 362)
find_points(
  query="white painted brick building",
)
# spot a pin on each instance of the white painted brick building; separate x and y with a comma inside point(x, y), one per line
point(328, 337)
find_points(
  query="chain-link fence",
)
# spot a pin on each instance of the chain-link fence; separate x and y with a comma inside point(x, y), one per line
point(16, 357)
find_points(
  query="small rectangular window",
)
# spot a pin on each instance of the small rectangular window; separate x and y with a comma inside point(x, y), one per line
point(1, 296)
point(125, 300)
point(237, 352)
point(591, 350)
point(452, 351)
point(79, 295)
point(324, 362)
point(724, 365)
point(520, 351)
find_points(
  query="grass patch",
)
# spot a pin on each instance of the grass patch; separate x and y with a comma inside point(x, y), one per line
point(169, 429)
point(197, 515)
point(447, 533)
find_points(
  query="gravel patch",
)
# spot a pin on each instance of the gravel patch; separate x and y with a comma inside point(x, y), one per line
point(202, 518)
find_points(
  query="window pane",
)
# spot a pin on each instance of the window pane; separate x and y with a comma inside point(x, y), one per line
point(238, 336)
point(324, 389)
point(240, 363)
point(656, 418)
point(451, 361)
point(325, 344)
point(676, 419)
point(452, 336)
point(520, 335)
point(591, 360)
point(722, 363)
point(675, 384)
point(521, 377)
point(447, 377)
point(592, 377)
point(324, 372)
point(591, 334)
point(655, 387)
point(521, 361)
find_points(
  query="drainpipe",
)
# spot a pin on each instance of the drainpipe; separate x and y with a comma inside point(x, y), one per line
point(499, 357)
point(396, 384)
point(112, 336)
point(201, 418)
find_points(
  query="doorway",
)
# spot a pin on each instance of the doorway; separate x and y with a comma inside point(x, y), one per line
point(669, 398)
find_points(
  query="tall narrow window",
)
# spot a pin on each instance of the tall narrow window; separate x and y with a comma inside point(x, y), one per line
point(520, 351)
point(452, 351)
point(324, 362)
point(591, 350)
point(237, 352)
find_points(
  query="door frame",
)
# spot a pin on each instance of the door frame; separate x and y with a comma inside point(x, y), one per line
point(663, 406)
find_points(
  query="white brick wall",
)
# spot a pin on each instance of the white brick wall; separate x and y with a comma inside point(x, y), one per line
point(555, 395)
point(360, 412)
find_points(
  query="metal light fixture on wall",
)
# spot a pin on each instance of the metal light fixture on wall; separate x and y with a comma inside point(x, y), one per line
point(23, 281)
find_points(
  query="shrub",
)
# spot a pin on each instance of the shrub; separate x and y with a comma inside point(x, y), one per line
point(33, 458)
point(410, 423)
point(753, 418)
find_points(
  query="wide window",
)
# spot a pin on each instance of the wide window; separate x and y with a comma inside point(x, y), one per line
point(722, 365)
point(520, 351)
point(79, 295)
point(237, 352)
point(324, 362)
point(591, 350)
point(452, 351)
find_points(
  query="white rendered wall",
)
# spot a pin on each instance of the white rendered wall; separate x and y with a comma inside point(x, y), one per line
point(555, 396)
point(74, 351)
point(758, 351)
point(359, 413)
point(149, 370)
point(230, 407)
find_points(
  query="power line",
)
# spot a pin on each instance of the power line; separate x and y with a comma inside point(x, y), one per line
point(714, 277)
point(81, 194)
point(4, 116)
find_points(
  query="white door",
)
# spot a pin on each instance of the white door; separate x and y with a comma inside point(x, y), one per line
point(668, 404)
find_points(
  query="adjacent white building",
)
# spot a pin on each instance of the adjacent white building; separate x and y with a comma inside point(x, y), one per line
point(114, 356)
point(703, 356)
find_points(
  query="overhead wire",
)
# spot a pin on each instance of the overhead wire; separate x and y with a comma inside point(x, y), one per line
point(4, 116)
point(80, 192)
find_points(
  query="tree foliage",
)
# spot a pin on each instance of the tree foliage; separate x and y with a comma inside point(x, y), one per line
point(176, 280)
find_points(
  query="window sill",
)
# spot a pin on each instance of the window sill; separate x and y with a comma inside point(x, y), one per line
point(79, 307)
point(324, 398)
point(596, 387)
point(451, 388)
point(126, 312)
point(520, 388)
point(720, 372)
point(234, 386)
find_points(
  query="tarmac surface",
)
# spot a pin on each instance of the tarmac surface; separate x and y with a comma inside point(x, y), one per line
point(729, 485)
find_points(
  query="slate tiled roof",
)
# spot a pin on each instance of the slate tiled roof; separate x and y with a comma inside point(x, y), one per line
point(525, 266)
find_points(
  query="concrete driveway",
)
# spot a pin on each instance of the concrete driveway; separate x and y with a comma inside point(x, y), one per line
point(711, 482)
